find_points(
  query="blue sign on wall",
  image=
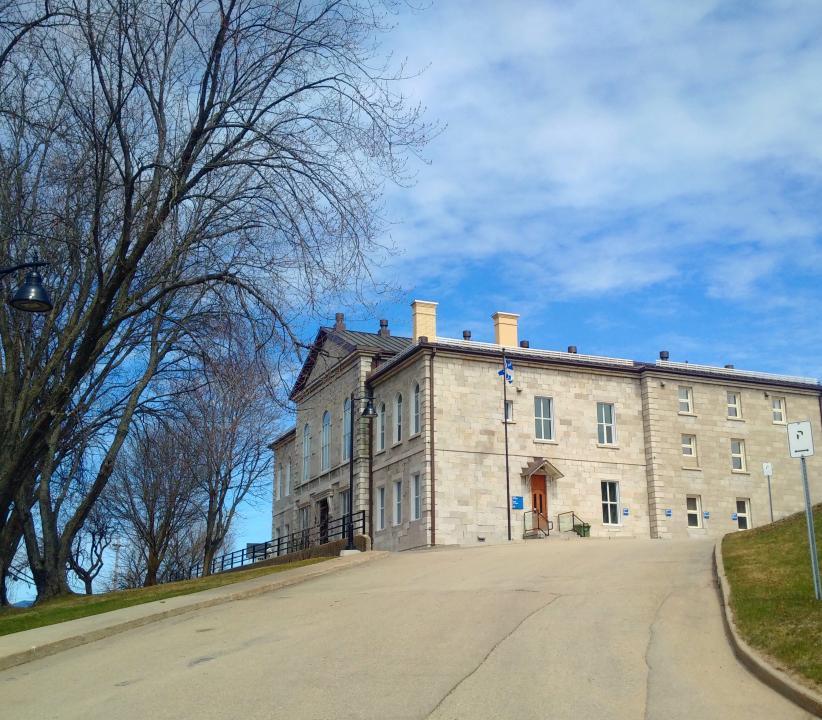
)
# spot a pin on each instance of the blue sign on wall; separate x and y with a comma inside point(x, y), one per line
point(706, 515)
point(669, 512)
point(516, 502)
point(625, 512)
point(734, 516)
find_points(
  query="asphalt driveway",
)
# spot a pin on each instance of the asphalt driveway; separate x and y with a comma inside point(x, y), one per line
point(547, 629)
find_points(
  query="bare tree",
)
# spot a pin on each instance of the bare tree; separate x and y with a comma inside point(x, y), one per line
point(153, 497)
point(176, 161)
point(229, 419)
point(90, 544)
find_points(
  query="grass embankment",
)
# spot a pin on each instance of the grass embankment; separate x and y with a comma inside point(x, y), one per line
point(769, 571)
point(76, 606)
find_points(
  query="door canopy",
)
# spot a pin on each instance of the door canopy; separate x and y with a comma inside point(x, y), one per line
point(542, 466)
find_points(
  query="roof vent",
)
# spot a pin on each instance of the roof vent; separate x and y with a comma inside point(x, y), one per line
point(384, 331)
point(466, 334)
point(572, 349)
point(524, 344)
point(729, 367)
point(664, 354)
point(339, 321)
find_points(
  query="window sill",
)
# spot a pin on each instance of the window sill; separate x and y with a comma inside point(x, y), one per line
point(509, 422)
point(780, 422)
point(608, 446)
point(732, 419)
point(396, 444)
point(379, 452)
point(415, 435)
point(545, 442)
point(611, 526)
point(692, 467)
point(740, 472)
point(687, 414)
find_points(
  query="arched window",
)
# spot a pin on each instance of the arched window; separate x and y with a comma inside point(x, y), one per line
point(306, 452)
point(381, 428)
point(326, 460)
point(346, 444)
point(416, 423)
point(398, 418)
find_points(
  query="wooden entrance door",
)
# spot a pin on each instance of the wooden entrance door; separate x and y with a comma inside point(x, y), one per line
point(539, 502)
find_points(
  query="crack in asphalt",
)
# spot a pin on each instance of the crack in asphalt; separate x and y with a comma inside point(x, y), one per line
point(651, 631)
point(482, 662)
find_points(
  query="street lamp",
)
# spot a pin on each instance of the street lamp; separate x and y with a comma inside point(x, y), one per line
point(370, 414)
point(31, 296)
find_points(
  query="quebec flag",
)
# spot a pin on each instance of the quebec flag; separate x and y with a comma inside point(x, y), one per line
point(507, 371)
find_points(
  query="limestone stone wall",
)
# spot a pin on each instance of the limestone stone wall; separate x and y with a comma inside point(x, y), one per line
point(401, 460)
point(470, 447)
point(331, 482)
point(672, 476)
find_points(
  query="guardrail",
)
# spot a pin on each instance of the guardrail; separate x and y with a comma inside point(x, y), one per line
point(571, 521)
point(299, 540)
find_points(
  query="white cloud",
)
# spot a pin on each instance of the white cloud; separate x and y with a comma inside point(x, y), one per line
point(616, 146)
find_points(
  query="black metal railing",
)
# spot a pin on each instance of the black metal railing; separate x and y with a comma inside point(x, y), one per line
point(299, 540)
point(570, 521)
point(535, 524)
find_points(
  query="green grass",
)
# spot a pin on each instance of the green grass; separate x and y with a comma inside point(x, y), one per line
point(769, 571)
point(14, 620)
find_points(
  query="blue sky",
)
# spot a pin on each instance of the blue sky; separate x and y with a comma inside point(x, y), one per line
point(628, 177)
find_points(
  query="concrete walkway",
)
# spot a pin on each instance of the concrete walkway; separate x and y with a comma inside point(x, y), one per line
point(616, 629)
point(41, 642)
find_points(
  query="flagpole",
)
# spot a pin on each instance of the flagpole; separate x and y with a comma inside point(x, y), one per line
point(505, 423)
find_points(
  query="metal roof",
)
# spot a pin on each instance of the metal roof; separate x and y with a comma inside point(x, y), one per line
point(366, 340)
point(352, 341)
point(600, 361)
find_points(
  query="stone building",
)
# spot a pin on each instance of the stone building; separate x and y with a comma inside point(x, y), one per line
point(634, 449)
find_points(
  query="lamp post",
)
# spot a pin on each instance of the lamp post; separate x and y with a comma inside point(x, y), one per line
point(31, 296)
point(370, 414)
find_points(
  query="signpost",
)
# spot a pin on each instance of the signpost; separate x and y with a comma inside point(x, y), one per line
point(800, 443)
point(767, 469)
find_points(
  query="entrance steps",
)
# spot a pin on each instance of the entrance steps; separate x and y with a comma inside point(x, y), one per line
point(553, 537)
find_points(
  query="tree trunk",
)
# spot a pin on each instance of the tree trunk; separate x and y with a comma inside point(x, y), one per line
point(152, 568)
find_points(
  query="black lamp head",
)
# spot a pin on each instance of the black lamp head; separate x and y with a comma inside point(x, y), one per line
point(31, 296)
point(369, 411)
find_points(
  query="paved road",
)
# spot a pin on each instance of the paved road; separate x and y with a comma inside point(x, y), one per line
point(613, 629)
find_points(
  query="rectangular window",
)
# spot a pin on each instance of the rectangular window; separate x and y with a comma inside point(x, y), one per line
point(689, 446)
point(738, 455)
point(693, 506)
point(344, 503)
point(778, 410)
point(278, 493)
point(734, 405)
point(380, 508)
point(509, 411)
point(544, 418)
point(304, 518)
point(417, 497)
point(743, 513)
point(610, 502)
point(686, 399)
point(606, 424)
point(288, 478)
point(398, 502)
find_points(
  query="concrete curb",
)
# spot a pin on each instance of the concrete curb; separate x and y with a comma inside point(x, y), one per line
point(804, 697)
point(35, 644)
